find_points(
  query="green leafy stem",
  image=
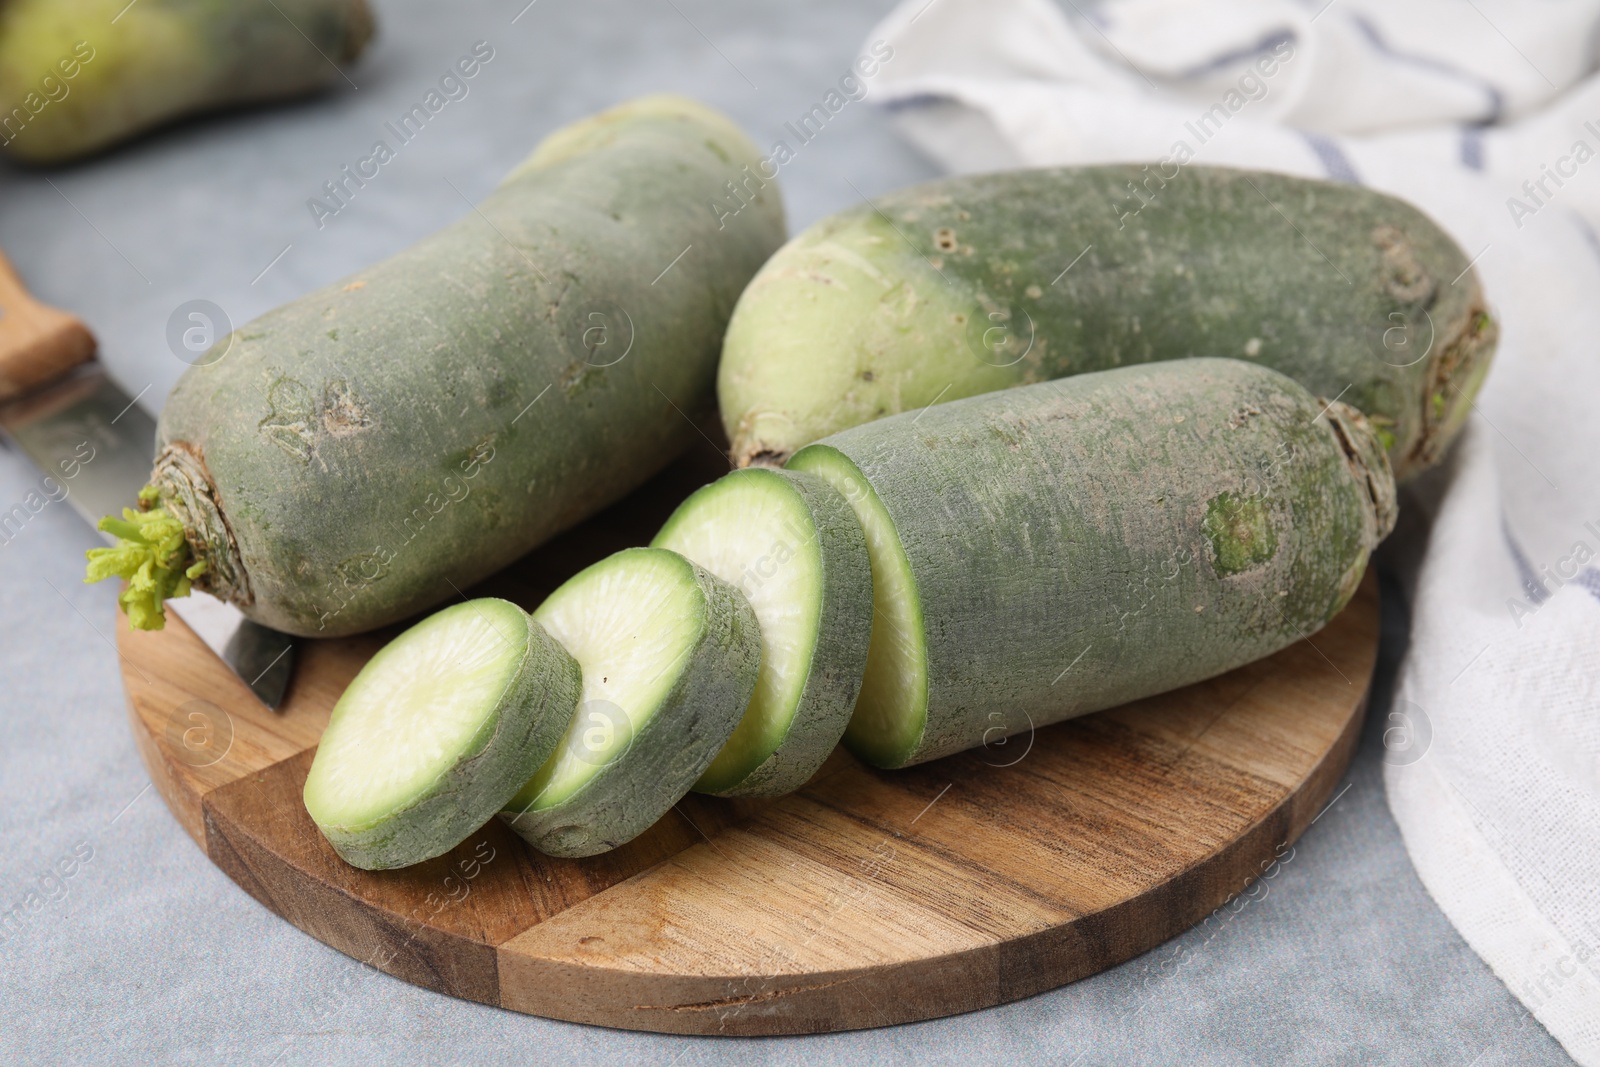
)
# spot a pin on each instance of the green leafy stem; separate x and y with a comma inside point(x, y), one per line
point(152, 554)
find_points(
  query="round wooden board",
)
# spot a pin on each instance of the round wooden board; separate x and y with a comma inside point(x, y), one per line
point(867, 898)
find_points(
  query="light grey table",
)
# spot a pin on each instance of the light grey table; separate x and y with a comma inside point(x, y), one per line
point(147, 954)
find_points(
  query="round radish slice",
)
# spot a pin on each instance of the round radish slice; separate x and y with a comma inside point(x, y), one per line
point(437, 732)
point(670, 655)
point(792, 544)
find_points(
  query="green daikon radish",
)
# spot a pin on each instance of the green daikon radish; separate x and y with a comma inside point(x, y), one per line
point(1044, 552)
point(77, 76)
point(358, 455)
point(971, 284)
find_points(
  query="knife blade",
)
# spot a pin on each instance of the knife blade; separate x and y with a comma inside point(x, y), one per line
point(86, 414)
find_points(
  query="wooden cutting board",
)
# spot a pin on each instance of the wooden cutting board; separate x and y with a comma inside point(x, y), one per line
point(865, 899)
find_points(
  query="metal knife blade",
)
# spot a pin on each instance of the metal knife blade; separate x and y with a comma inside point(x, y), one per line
point(89, 415)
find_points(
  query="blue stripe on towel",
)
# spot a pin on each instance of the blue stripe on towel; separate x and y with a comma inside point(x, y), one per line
point(1334, 161)
point(1588, 232)
point(1530, 578)
point(901, 103)
point(1227, 59)
point(1588, 578)
point(1496, 100)
point(1472, 147)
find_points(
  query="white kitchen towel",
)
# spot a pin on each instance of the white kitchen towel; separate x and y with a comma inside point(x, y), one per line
point(1486, 114)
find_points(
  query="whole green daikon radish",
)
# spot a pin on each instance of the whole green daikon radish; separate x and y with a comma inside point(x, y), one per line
point(971, 284)
point(77, 76)
point(367, 450)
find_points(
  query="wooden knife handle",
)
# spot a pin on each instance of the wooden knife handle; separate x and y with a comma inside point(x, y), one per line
point(37, 342)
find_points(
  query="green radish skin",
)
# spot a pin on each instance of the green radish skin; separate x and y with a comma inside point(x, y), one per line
point(437, 732)
point(1044, 552)
point(361, 453)
point(77, 76)
point(971, 284)
point(670, 654)
point(792, 545)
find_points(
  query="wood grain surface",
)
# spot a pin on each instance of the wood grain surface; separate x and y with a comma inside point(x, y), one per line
point(867, 898)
